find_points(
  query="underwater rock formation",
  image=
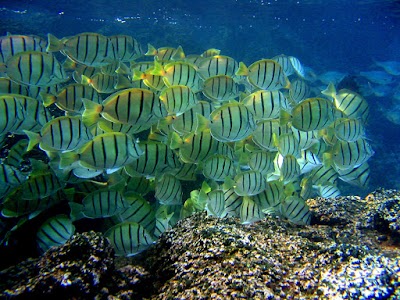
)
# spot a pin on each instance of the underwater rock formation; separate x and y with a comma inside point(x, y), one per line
point(351, 251)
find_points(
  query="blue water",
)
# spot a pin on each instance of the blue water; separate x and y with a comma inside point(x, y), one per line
point(345, 36)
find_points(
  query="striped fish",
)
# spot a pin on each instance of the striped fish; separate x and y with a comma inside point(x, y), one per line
point(168, 190)
point(232, 203)
point(263, 135)
point(129, 238)
point(295, 210)
point(264, 105)
point(140, 71)
point(103, 83)
point(271, 197)
point(165, 53)
point(285, 63)
point(126, 47)
point(138, 211)
point(187, 122)
point(162, 220)
point(194, 147)
point(288, 145)
point(69, 99)
point(348, 130)
point(262, 161)
point(109, 151)
point(308, 161)
point(10, 176)
point(39, 186)
point(264, 74)
point(210, 52)
point(327, 191)
point(178, 73)
point(90, 49)
point(352, 104)
point(14, 206)
point(290, 169)
point(103, 204)
point(310, 114)
point(16, 153)
point(322, 175)
point(36, 69)
point(218, 65)
point(156, 158)
point(60, 134)
point(250, 212)
point(298, 68)
point(232, 122)
point(305, 139)
point(215, 204)
point(358, 176)
point(138, 185)
point(11, 111)
point(220, 88)
point(7, 86)
point(178, 99)
point(81, 70)
point(249, 183)
point(351, 154)
point(217, 167)
point(130, 106)
point(299, 90)
point(10, 45)
point(54, 232)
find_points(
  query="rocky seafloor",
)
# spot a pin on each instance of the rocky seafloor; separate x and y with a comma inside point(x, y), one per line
point(351, 251)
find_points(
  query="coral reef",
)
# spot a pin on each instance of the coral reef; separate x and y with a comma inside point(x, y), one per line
point(350, 252)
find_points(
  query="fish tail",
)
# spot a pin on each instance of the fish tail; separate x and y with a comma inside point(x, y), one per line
point(54, 44)
point(34, 139)
point(85, 80)
point(157, 69)
point(68, 159)
point(92, 111)
point(69, 64)
point(284, 117)
point(76, 211)
point(242, 70)
point(122, 82)
point(175, 141)
point(151, 51)
point(47, 99)
point(330, 91)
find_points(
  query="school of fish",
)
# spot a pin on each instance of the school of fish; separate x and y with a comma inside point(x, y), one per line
point(125, 136)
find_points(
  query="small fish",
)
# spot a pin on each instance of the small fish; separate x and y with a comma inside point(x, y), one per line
point(11, 112)
point(323, 174)
point(262, 161)
point(345, 155)
point(297, 66)
point(250, 212)
point(263, 135)
point(285, 63)
point(165, 53)
point(90, 49)
point(7, 86)
point(233, 202)
point(157, 158)
point(210, 52)
point(264, 74)
point(13, 44)
point(130, 106)
point(138, 211)
point(168, 190)
point(178, 73)
point(178, 99)
point(129, 238)
point(141, 71)
point(378, 77)
point(249, 183)
point(289, 169)
point(194, 147)
point(217, 167)
point(310, 114)
point(264, 105)
point(220, 88)
point(295, 210)
point(358, 176)
point(54, 232)
point(350, 103)
point(126, 47)
point(230, 122)
point(106, 84)
point(215, 203)
point(103, 204)
point(217, 65)
point(327, 191)
point(349, 130)
point(109, 151)
point(271, 197)
point(305, 139)
point(69, 99)
point(36, 69)
point(288, 145)
point(60, 134)
point(16, 154)
point(299, 91)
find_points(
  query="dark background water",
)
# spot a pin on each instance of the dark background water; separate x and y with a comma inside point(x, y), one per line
point(345, 36)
